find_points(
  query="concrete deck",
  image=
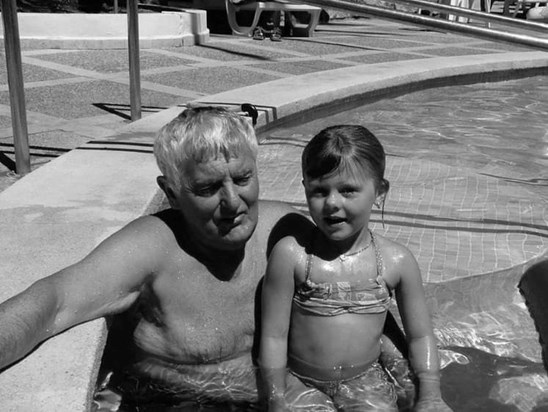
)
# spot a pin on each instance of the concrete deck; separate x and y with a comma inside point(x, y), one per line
point(79, 99)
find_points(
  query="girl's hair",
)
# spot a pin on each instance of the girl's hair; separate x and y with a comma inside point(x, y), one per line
point(200, 134)
point(345, 147)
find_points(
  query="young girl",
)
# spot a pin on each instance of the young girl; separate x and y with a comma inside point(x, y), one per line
point(326, 292)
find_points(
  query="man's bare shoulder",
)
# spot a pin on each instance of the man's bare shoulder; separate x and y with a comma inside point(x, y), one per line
point(276, 208)
point(159, 225)
point(144, 238)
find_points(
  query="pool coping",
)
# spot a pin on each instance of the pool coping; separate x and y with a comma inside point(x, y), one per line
point(111, 183)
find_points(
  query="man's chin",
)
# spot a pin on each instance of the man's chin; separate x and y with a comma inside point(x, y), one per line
point(236, 236)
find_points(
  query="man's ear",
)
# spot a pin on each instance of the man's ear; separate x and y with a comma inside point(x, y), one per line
point(168, 191)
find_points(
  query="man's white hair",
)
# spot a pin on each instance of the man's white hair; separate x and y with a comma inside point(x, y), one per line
point(201, 134)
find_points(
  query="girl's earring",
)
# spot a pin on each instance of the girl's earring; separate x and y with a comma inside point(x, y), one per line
point(380, 205)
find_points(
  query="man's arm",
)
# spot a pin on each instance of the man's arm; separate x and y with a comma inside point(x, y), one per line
point(105, 282)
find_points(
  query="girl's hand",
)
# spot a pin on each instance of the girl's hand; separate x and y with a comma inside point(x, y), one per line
point(432, 405)
point(278, 405)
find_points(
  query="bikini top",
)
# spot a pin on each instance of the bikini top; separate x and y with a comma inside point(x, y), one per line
point(367, 296)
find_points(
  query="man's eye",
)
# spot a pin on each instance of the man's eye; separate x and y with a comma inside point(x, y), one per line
point(205, 190)
point(243, 180)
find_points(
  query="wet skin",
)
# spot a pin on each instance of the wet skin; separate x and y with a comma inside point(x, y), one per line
point(209, 252)
point(187, 276)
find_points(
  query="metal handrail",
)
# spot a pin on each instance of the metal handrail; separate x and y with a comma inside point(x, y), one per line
point(16, 88)
point(134, 62)
point(417, 19)
point(479, 15)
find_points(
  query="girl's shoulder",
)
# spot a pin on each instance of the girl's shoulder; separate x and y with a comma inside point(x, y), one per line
point(296, 243)
point(390, 247)
point(397, 258)
point(294, 247)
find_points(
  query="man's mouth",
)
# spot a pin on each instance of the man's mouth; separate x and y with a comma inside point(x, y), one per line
point(228, 223)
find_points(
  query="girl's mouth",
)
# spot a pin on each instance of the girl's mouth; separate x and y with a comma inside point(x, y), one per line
point(334, 220)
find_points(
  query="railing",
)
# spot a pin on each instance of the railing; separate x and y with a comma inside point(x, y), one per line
point(418, 19)
point(16, 86)
point(16, 89)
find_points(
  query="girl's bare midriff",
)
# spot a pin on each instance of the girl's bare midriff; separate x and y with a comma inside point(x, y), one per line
point(339, 347)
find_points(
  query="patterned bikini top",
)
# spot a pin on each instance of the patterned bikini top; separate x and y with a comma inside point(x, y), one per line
point(367, 296)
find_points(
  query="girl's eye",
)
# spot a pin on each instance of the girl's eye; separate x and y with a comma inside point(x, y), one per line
point(348, 191)
point(318, 193)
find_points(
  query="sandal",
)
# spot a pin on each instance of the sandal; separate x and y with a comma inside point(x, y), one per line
point(258, 33)
point(276, 34)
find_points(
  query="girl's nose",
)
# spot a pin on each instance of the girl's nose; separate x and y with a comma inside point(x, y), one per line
point(332, 201)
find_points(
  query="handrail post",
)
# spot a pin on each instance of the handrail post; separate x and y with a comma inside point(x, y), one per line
point(16, 88)
point(134, 70)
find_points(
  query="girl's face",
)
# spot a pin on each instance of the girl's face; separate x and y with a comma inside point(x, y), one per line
point(340, 203)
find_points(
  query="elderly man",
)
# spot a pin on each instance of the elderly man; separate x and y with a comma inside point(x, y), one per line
point(185, 279)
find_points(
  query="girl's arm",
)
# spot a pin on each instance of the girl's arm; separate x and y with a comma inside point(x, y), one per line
point(423, 352)
point(277, 294)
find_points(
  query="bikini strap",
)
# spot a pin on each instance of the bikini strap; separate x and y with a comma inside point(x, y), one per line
point(308, 265)
point(378, 256)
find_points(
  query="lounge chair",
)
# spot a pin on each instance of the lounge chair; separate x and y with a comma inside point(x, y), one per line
point(257, 7)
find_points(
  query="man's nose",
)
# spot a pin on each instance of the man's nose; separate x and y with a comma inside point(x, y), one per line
point(229, 197)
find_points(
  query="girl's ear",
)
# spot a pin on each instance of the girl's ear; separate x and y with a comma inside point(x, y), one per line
point(379, 201)
point(383, 189)
point(382, 192)
point(168, 191)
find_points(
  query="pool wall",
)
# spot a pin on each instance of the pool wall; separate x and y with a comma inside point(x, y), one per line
point(109, 31)
point(57, 214)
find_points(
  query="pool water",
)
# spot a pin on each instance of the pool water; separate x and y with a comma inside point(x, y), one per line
point(498, 129)
point(468, 167)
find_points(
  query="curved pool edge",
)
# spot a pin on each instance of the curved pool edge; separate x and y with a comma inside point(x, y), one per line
point(292, 98)
point(50, 204)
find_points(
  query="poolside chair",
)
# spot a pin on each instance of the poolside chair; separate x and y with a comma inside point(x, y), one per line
point(480, 5)
point(257, 7)
point(519, 6)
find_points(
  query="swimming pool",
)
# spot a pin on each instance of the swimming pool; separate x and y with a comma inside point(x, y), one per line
point(468, 167)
